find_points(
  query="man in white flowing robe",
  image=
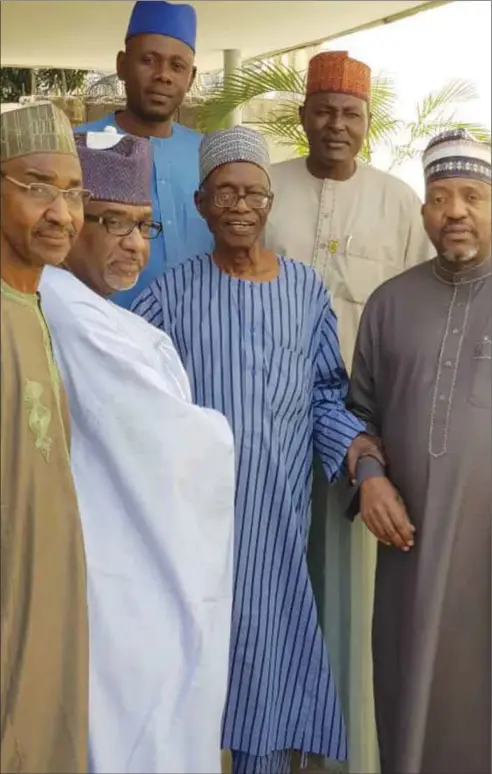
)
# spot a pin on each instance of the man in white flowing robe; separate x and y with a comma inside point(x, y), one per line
point(358, 226)
point(155, 482)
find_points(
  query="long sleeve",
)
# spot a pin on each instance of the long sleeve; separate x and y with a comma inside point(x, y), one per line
point(149, 305)
point(362, 394)
point(334, 426)
point(418, 247)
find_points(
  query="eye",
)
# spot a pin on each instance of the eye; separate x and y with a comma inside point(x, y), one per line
point(75, 194)
point(115, 223)
point(41, 189)
point(147, 59)
point(179, 66)
point(353, 115)
point(472, 197)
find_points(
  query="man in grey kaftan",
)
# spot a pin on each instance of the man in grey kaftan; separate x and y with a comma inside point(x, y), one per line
point(423, 381)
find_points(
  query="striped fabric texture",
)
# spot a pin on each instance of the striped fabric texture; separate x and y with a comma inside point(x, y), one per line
point(267, 356)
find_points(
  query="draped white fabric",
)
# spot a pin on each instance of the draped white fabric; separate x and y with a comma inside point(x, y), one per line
point(155, 481)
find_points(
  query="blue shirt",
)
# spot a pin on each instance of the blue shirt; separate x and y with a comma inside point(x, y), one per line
point(174, 181)
point(267, 355)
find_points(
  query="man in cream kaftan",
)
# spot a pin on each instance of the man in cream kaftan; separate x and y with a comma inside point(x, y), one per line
point(155, 480)
point(358, 227)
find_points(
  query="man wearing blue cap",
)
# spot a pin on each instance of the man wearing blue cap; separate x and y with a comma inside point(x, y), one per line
point(157, 68)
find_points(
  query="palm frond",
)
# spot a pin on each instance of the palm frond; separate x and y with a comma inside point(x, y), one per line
point(454, 92)
point(252, 81)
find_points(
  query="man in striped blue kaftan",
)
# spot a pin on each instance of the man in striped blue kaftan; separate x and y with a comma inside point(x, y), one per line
point(258, 338)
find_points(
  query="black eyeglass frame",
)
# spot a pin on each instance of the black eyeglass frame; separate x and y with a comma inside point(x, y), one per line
point(102, 220)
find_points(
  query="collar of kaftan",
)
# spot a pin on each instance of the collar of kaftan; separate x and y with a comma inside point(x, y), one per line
point(461, 277)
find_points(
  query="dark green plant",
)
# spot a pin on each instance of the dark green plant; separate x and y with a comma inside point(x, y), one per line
point(17, 82)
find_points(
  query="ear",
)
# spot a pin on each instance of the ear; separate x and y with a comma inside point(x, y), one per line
point(369, 118)
point(121, 65)
point(302, 115)
point(198, 197)
point(192, 78)
point(422, 210)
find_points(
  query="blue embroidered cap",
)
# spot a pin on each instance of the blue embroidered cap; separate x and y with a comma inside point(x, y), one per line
point(157, 17)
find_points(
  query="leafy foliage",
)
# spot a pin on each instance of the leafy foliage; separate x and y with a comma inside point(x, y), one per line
point(260, 80)
point(17, 82)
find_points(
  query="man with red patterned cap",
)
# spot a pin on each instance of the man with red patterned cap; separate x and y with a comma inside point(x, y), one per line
point(154, 475)
point(358, 226)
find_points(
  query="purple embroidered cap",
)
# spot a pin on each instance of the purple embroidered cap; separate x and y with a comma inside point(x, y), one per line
point(116, 167)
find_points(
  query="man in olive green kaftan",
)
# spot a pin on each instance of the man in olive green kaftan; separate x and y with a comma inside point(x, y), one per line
point(44, 654)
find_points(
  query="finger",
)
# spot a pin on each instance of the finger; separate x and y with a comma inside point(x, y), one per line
point(380, 526)
point(373, 526)
point(384, 520)
point(401, 523)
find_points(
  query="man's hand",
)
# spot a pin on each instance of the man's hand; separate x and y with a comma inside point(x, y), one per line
point(363, 445)
point(384, 514)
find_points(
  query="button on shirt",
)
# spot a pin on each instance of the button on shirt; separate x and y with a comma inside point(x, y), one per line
point(174, 181)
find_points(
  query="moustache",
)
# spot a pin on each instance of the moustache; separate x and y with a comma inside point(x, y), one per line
point(56, 233)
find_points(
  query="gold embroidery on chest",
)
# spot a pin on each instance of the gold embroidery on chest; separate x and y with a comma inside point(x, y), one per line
point(39, 417)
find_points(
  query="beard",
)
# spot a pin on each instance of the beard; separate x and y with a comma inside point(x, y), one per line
point(153, 114)
point(458, 256)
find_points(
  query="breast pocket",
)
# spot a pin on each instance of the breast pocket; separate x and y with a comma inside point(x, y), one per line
point(362, 266)
point(287, 383)
point(481, 377)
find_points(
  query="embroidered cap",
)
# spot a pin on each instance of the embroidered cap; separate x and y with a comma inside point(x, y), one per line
point(227, 146)
point(115, 167)
point(38, 127)
point(456, 153)
point(156, 17)
point(336, 73)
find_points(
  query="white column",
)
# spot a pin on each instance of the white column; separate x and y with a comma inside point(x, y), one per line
point(232, 61)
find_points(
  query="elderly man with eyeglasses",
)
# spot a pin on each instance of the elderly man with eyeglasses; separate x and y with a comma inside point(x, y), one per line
point(154, 475)
point(44, 632)
point(258, 337)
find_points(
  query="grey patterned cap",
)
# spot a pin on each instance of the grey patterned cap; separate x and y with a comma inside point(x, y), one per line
point(227, 146)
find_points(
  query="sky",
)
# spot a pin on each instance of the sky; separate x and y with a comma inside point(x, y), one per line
point(422, 53)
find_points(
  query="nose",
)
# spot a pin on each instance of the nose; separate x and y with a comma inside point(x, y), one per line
point(336, 122)
point(59, 212)
point(456, 208)
point(134, 242)
point(163, 74)
point(241, 205)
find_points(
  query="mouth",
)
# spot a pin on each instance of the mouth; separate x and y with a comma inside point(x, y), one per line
point(457, 233)
point(54, 239)
point(335, 144)
point(159, 96)
point(125, 269)
point(240, 226)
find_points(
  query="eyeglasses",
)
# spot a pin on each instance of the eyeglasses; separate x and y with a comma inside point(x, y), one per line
point(149, 229)
point(47, 193)
point(228, 199)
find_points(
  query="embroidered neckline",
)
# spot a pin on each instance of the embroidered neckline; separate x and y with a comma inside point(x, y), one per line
point(461, 277)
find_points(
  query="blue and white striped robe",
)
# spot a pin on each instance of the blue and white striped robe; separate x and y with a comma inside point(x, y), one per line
point(267, 356)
